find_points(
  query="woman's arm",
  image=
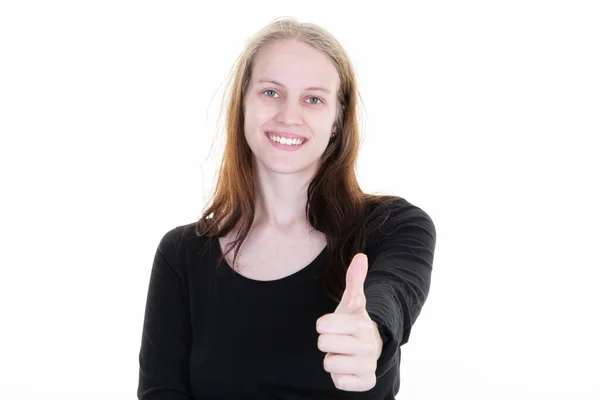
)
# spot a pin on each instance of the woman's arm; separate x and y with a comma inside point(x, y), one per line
point(166, 337)
point(398, 280)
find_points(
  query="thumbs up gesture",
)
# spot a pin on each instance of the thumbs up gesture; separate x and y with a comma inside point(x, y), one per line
point(349, 336)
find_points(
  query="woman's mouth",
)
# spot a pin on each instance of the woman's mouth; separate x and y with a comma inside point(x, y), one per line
point(285, 143)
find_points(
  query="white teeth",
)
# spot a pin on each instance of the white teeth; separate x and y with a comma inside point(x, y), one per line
point(286, 141)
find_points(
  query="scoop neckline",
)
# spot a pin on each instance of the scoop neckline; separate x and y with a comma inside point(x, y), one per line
point(294, 275)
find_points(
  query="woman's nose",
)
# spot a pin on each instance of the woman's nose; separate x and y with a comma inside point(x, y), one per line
point(290, 113)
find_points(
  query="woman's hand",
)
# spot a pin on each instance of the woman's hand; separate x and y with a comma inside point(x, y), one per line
point(349, 336)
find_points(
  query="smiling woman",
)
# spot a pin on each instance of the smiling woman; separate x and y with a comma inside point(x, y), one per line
point(291, 95)
point(325, 282)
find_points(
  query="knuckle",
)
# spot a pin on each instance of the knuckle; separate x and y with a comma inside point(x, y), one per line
point(372, 348)
point(327, 363)
point(338, 381)
point(368, 348)
point(320, 342)
point(371, 367)
point(373, 381)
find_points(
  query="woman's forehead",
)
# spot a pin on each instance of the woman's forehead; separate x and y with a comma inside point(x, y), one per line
point(289, 64)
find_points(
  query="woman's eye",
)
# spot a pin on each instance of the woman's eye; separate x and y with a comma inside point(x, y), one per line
point(318, 100)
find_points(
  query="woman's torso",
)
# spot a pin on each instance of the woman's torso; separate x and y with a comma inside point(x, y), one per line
point(255, 331)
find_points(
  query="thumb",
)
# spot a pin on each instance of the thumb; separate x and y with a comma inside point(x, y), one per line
point(353, 299)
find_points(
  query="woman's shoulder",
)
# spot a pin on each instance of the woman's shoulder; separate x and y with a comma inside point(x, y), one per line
point(388, 213)
point(178, 238)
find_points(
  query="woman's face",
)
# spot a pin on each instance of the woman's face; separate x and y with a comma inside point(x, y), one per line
point(292, 90)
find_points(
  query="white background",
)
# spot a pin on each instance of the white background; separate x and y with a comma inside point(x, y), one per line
point(483, 113)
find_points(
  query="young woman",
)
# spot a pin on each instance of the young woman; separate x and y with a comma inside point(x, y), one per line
point(294, 284)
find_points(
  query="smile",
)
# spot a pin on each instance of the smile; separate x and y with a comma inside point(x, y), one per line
point(285, 143)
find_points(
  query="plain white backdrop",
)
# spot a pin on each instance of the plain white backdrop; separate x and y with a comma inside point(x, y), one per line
point(484, 114)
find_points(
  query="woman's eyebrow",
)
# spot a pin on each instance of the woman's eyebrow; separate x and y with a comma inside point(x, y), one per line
point(279, 84)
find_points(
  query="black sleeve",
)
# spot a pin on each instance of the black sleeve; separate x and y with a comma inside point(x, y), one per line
point(166, 336)
point(399, 276)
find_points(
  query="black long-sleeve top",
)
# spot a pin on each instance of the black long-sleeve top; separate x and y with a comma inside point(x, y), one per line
point(211, 334)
